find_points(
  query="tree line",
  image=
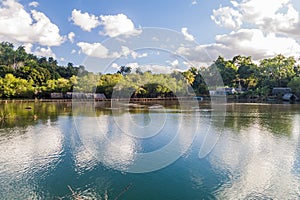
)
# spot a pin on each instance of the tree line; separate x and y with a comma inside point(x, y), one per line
point(24, 75)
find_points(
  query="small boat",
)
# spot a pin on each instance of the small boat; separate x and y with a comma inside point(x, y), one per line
point(156, 107)
point(28, 107)
point(289, 97)
point(199, 98)
point(271, 98)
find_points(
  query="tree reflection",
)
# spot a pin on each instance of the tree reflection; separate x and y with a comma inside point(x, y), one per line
point(276, 119)
point(23, 114)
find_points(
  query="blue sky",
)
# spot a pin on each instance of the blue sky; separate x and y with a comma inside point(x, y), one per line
point(71, 31)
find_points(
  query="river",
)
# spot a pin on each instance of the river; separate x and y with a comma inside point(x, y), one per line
point(95, 151)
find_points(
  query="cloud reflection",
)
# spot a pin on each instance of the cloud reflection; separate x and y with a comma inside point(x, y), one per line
point(104, 141)
point(261, 163)
point(25, 152)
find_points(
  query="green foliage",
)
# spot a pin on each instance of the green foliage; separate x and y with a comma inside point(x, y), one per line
point(5, 70)
point(107, 82)
point(227, 70)
point(294, 84)
point(148, 85)
point(277, 71)
point(15, 87)
point(124, 70)
point(247, 75)
point(38, 75)
point(87, 83)
point(24, 75)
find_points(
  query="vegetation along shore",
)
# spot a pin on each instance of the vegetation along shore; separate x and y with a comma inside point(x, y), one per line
point(28, 76)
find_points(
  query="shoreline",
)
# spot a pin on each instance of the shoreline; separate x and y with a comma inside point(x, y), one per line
point(146, 100)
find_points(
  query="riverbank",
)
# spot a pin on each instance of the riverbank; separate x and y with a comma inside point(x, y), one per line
point(154, 100)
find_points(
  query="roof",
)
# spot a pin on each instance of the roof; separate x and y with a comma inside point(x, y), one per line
point(289, 96)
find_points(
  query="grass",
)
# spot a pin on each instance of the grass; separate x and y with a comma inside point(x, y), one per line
point(4, 115)
point(78, 196)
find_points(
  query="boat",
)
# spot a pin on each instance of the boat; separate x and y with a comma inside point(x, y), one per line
point(199, 98)
point(157, 106)
point(289, 97)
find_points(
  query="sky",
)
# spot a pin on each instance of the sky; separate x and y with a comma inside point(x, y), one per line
point(79, 31)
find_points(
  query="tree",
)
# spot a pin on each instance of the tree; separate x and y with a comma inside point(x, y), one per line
point(7, 54)
point(247, 75)
point(199, 85)
point(227, 70)
point(294, 84)
point(107, 82)
point(189, 76)
point(20, 54)
point(87, 83)
point(124, 70)
point(139, 71)
point(38, 75)
point(15, 87)
point(5, 70)
point(277, 71)
point(63, 85)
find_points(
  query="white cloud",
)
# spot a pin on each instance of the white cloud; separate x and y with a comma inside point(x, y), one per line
point(71, 36)
point(255, 42)
point(187, 36)
point(273, 16)
point(47, 32)
point(135, 55)
point(154, 68)
point(94, 49)
point(99, 51)
point(251, 42)
point(44, 52)
point(125, 51)
point(115, 65)
point(34, 4)
point(17, 25)
point(85, 20)
point(234, 3)
point(255, 11)
point(174, 63)
point(159, 69)
point(133, 66)
point(194, 2)
point(28, 47)
point(280, 15)
point(262, 29)
point(115, 25)
point(227, 17)
point(155, 39)
point(73, 51)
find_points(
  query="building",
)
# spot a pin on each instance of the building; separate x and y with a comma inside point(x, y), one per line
point(99, 96)
point(225, 91)
point(280, 91)
point(56, 95)
point(84, 95)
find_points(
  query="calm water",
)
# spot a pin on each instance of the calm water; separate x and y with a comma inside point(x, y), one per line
point(62, 151)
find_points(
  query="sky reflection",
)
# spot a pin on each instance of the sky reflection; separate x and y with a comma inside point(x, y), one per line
point(26, 152)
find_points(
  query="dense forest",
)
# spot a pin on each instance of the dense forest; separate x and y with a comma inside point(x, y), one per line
point(24, 75)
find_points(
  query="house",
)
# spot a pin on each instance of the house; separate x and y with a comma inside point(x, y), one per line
point(280, 91)
point(99, 96)
point(84, 95)
point(56, 95)
point(225, 91)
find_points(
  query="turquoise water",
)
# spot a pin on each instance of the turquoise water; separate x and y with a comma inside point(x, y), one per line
point(62, 151)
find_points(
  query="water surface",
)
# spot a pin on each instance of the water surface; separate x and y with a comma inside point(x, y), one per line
point(52, 149)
